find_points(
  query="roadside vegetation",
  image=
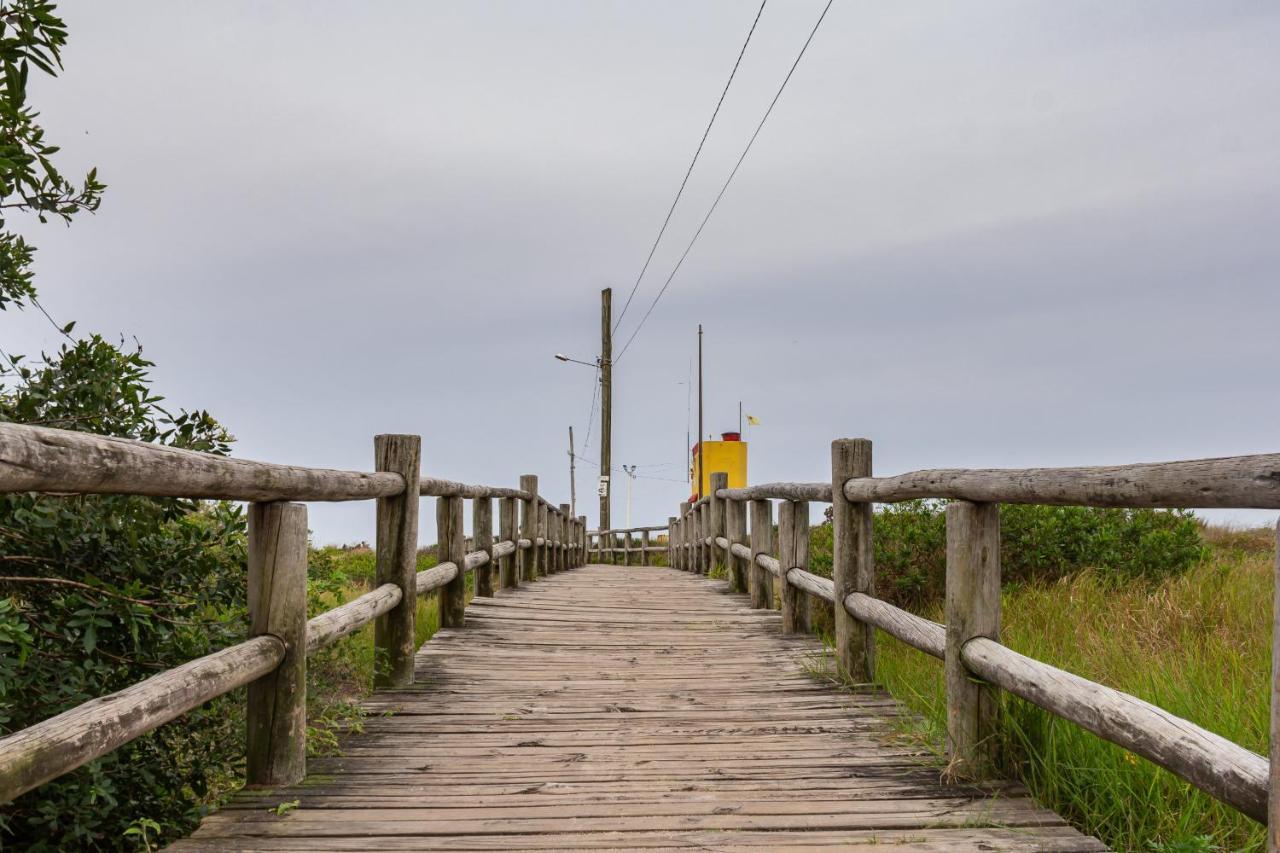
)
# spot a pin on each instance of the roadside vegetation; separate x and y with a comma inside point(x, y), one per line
point(1149, 602)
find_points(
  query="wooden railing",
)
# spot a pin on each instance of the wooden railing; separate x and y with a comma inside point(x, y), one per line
point(534, 538)
point(975, 663)
point(617, 546)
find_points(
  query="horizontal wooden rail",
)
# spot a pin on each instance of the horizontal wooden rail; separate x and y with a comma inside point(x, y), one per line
point(333, 625)
point(651, 549)
point(915, 631)
point(657, 528)
point(437, 488)
point(1212, 763)
point(40, 459)
point(779, 491)
point(60, 744)
point(1236, 482)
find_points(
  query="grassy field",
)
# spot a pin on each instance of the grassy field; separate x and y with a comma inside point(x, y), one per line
point(1197, 644)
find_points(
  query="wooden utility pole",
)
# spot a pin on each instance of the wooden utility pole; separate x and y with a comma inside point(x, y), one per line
point(606, 403)
point(700, 435)
point(573, 477)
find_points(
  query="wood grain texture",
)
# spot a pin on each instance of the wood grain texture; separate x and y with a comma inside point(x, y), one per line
point(333, 625)
point(527, 569)
point(508, 512)
point(1212, 763)
point(643, 708)
point(972, 610)
point(276, 719)
point(761, 545)
point(716, 519)
point(820, 492)
point(735, 523)
point(40, 459)
point(852, 560)
point(1235, 481)
point(482, 539)
point(793, 553)
point(450, 545)
point(34, 755)
point(396, 558)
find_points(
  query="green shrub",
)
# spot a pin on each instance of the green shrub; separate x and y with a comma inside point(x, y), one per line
point(100, 592)
point(1037, 544)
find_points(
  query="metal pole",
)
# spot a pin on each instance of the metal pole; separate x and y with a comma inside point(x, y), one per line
point(606, 401)
point(573, 479)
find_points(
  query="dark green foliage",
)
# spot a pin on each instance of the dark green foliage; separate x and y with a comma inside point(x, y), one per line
point(100, 592)
point(30, 35)
point(1037, 543)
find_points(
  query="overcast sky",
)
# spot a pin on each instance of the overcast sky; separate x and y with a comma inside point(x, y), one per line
point(982, 234)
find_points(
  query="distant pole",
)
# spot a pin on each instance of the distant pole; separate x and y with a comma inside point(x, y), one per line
point(630, 471)
point(700, 454)
point(606, 402)
point(573, 478)
point(739, 419)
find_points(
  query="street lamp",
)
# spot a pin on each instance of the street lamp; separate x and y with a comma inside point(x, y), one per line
point(631, 478)
point(562, 357)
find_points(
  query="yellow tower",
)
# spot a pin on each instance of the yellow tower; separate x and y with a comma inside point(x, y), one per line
point(728, 455)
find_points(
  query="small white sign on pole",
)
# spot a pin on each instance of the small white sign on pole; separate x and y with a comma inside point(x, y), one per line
point(603, 486)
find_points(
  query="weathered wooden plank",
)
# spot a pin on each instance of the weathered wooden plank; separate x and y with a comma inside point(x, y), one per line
point(276, 720)
point(36, 754)
point(973, 610)
point(453, 594)
point(394, 633)
point(852, 560)
point(41, 459)
point(482, 535)
point(333, 625)
point(1212, 763)
point(1233, 481)
point(780, 491)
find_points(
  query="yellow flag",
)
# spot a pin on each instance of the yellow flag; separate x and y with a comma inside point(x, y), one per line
point(753, 420)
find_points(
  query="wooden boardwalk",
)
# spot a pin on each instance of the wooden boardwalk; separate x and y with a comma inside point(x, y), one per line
point(629, 708)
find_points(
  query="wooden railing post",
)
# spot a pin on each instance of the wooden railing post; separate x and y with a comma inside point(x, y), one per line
point(671, 541)
point(626, 548)
point(683, 555)
point(852, 568)
point(719, 480)
point(566, 536)
point(276, 751)
point(452, 548)
point(508, 508)
point(396, 559)
point(1273, 803)
point(704, 530)
point(482, 535)
point(644, 547)
point(973, 610)
point(761, 543)
point(528, 566)
point(543, 566)
point(793, 553)
point(582, 540)
point(736, 532)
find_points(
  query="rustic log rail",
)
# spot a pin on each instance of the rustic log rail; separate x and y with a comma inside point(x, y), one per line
point(603, 544)
point(272, 662)
point(976, 664)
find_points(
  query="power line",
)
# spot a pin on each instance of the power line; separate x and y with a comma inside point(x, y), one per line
point(689, 171)
point(729, 180)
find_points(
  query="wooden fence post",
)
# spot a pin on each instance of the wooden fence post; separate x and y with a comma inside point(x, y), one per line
point(644, 547)
point(683, 555)
point(671, 541)
point(973, 610)
point(852, 568)
point(396, 559)
point(528, 567)
point(276, 751)
point(626, 548)
point(452, 548)
point(704, 531)
point(543, 566)
point(507, 511)
point(735, 513)
point(482, 535)
point(715, 511)
point(582, 540)
point(793, 553)
point(1273, 804)
point(566, 536)
point(761, 543)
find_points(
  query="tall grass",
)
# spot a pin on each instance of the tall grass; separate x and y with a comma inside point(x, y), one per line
point(1197, 645)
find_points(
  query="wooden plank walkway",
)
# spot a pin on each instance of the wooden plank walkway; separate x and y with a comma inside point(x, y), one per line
point(629, 708)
